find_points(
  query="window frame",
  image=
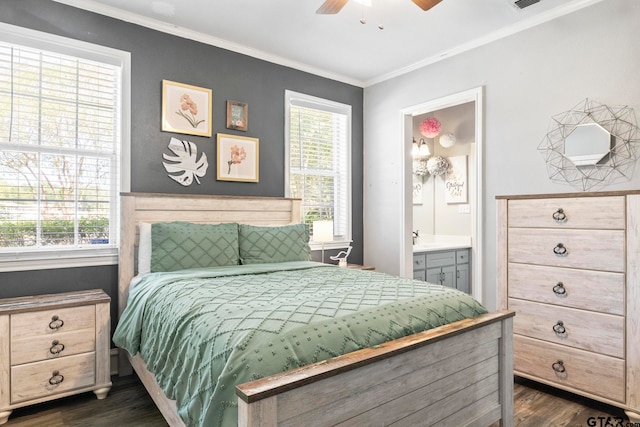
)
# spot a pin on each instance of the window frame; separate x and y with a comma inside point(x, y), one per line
point(333, 106)
point(47, 258)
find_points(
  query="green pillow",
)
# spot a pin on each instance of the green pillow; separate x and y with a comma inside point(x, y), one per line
point(180, 245)
point(274, 244)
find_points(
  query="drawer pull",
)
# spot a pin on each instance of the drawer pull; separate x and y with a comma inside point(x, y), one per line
point(56, 378)
point(559, 367)
point(559, 328)
point(559, 216)
point(56, 323)
point(560, 250)
point(559, 289)
point(56, 347)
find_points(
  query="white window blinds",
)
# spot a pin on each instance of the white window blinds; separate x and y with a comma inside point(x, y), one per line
point(60, 145)
point(318, 134)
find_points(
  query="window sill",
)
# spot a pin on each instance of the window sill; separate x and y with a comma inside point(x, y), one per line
point(46, 260)
point(330, 245)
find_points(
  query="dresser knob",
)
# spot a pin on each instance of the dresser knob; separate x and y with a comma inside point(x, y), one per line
point(56, 378)
point(56, 347)
point(559, 289)
point(559, 367)
point(56, 323)
point(560, 250)
point(559, 216)
point(559, 328)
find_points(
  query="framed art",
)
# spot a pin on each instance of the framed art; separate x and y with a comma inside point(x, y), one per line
point(238, 158)
point(237, 115)
point(186, 109)
point(456, 185)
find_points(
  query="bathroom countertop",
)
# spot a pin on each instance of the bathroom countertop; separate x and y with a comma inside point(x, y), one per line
point(432, 247)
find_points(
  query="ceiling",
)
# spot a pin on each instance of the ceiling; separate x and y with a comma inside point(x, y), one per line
point(289, 32)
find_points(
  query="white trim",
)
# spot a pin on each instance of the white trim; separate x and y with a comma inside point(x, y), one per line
point(477, 231)
point(158, 25)
point(59, 261)
point(186, 33)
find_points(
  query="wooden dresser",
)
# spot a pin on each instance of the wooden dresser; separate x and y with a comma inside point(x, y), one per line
point(53, 346)
point(569, 265)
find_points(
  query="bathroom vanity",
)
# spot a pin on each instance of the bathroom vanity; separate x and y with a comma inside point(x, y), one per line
point(445, 264)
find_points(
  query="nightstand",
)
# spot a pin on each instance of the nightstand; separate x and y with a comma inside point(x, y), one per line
point(360, 267)
point(53, 346)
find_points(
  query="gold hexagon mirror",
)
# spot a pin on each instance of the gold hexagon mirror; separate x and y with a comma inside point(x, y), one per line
point(592, 145)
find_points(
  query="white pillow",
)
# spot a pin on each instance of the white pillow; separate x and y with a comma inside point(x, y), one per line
point(144, 248)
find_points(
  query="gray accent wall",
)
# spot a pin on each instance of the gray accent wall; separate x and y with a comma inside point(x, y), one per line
point(231, 76)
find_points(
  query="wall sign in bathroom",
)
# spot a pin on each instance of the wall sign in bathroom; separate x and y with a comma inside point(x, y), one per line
point(456, 182)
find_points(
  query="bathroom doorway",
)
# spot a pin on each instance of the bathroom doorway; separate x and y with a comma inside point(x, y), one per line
point(456, 219)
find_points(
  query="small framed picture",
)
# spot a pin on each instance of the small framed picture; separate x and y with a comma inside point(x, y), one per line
point(237, 115)
point(186, 109)
point(238, 158)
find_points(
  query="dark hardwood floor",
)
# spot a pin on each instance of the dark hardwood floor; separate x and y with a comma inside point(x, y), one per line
point(128, 404)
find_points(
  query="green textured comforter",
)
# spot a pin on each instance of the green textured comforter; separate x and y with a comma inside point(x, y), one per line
point(203, 331)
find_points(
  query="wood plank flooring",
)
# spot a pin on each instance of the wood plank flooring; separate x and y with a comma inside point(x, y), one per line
point(128, 404)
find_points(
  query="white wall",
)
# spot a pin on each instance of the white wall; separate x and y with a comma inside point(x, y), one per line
point(527, 78)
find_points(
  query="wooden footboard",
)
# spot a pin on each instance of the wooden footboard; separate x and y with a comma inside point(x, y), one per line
point(457, 374)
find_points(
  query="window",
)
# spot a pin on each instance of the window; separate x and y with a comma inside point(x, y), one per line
point(62, 141)
point(318, 160)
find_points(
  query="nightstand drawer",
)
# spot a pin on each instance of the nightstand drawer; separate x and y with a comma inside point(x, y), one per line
point(585, 371)
point(587, 330)
point(52, 321)
point(49, 347)
point(35, 380)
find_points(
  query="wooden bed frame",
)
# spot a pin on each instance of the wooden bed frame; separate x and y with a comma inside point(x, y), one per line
point(457, 374)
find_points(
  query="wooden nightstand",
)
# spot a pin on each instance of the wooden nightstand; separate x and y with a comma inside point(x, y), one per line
point(53, 346)
point(360, 267)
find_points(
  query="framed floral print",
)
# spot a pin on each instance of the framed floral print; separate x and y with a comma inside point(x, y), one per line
point(186, 109)
point(237, 115)
point(238, 158)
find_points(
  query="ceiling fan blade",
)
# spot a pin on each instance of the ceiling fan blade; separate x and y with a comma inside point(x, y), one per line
point(330, 7)
point(426, 4)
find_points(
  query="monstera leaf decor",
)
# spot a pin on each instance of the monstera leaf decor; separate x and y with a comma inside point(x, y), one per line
point(185, 166)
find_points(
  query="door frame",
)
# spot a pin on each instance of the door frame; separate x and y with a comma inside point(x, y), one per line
point(475, 95)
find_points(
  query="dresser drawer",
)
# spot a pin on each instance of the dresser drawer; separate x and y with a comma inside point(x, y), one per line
point(597, 332)
point(49, 347)
point(51, 322)
point(588, 249)
point(585, 371)
point(586, 289)
point(34, 380)
point(584, 212)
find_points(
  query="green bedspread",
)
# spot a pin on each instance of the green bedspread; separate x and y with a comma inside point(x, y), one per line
point(203, 331)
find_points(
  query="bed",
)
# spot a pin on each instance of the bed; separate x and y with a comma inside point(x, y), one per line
point(460, 373)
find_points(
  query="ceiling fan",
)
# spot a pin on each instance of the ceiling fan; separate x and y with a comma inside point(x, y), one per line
point(330, 7)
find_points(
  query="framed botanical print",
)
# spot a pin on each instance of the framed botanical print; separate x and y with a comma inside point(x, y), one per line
point(186, 109)
point(238, 158)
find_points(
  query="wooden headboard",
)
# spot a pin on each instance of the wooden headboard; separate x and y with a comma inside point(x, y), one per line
point(205, 209)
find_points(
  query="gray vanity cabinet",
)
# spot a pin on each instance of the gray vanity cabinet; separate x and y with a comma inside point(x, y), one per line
point(448, 268)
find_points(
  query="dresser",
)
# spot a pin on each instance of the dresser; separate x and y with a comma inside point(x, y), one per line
point(53, 346)
point(569, 265)
point(448, 268)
